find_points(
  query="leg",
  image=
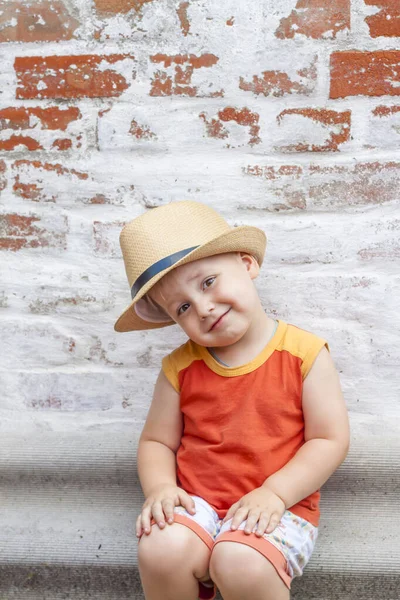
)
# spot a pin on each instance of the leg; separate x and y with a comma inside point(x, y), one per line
point(242, 573)
point(171, 562)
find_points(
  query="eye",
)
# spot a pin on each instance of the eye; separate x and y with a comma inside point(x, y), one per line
point(208, 282)
point(182, 309)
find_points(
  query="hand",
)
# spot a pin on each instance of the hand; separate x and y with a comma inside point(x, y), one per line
point(260, 506)
point(161, 503)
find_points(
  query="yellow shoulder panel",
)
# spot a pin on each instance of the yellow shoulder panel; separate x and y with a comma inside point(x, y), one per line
point(179, 359)
point(303, 344)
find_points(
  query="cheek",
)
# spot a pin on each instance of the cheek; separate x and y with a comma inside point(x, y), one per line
point(188, 325)
point(244, 297)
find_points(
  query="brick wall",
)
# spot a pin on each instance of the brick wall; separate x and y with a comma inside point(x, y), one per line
point(284, 115)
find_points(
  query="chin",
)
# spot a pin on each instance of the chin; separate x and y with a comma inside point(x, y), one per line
point(228, 340)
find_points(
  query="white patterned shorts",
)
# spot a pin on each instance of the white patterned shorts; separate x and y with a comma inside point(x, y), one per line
point(288, 547)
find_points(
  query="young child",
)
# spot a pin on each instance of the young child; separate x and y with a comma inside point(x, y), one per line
point(247, 420)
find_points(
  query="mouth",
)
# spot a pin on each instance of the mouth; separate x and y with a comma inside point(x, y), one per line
point(218, 321)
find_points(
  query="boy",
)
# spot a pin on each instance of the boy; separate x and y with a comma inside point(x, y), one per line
point(246, 423)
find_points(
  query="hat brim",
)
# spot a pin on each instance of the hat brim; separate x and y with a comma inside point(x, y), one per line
point(239, 239)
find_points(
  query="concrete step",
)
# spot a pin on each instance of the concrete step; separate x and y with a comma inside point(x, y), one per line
point(70, 501)
point(63, 583)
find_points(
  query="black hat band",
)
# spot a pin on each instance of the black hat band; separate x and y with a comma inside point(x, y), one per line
point(157, 267)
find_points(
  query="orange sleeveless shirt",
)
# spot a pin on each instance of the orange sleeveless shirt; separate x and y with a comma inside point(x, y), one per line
point(242, 424)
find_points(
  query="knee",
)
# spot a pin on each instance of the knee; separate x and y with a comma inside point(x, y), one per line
point(233, 564)
point(162, 550)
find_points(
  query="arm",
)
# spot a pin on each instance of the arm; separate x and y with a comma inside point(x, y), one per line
point(160, 437)
point(158, 445)
point(326, 436)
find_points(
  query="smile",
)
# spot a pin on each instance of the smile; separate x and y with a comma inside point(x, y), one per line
point(219, 321)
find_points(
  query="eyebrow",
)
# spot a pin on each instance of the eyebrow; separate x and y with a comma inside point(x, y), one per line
point(167, 302)
point(195, 276)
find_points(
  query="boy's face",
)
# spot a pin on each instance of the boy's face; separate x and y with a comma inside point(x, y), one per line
point(212, 299)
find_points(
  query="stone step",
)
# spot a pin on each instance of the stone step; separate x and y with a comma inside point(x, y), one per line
point(90, 583)
point(67, 527)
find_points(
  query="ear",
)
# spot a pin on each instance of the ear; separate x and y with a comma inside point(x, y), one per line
point(250, 263)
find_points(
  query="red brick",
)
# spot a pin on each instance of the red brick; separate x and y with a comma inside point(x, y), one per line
point(62, 144)
point(35, 21)
point(383, 128)
point(279, 83)
point(356, 73)
point(22, 119)
point(113, 7)
point(50, 118)
point(285, 187)
point(325, 187)
point(41, 307)
point(19, 231)
point(316, 19)
point(69, 76)
point(60, 170)
point(54, 390)
point(3, 177)
point(385, 111)
point(242, 116)
point(53, 299)
point(364, 184)
point(360, 168)
point(183, 17)
point(140, 132)
point(179, 84)
point(386, 22)
point(387, 251)
point(20, 140)
point(288, 201)
point(51, 402)
point(38, 342)
point(39, 181)
point(106, 238)
point(99, 199)
point(33, 171)
point(331, 119)
point(274, 173)
point(214, 127)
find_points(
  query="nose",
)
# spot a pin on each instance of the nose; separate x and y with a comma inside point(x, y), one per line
point(204, 307)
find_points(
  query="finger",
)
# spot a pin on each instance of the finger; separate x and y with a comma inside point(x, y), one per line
point(187, 502)
point(145, 519)
point(158, 514)
point(230, 512)
point(273, 523)
point(168, 508)
point(251, 521)
point(139, 526)
point(262, 524)
point(239, 516)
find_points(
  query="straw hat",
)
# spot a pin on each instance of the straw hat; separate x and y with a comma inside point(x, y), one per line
point(166, 237)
